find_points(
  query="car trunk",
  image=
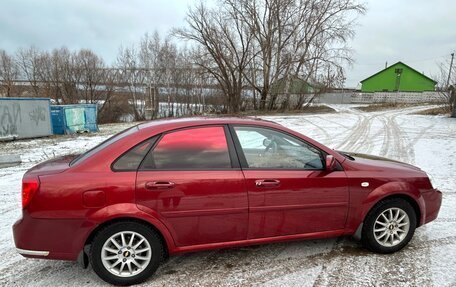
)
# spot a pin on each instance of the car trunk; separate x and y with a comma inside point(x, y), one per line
point(53, 166)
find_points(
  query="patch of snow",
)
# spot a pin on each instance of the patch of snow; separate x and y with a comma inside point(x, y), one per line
point(426, 141)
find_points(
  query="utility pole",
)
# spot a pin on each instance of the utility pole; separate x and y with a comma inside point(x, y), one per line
point(449, 72)
point(451, 90)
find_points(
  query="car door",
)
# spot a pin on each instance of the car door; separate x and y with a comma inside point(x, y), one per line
point(289, 190)
point(192, 180)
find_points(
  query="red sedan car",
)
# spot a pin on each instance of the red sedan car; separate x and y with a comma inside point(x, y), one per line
point(173, 186)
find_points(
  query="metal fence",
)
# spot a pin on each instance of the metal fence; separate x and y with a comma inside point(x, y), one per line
point(381, 97)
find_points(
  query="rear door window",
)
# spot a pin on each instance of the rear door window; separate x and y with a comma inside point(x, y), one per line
point(194, 148)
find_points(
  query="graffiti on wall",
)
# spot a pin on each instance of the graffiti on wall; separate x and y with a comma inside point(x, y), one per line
point(38, 114)
point(10, 117)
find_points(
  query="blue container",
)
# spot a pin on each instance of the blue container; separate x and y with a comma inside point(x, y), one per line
point(70, 119)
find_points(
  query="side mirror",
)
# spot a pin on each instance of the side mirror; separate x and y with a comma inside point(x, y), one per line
point(267, 142)
point(331, 163)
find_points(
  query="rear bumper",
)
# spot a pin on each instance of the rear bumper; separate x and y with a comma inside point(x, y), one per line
point(32, 252)
point(433, 201)
point(49, 238)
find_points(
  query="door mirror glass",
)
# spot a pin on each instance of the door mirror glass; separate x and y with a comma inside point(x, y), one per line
point(266, 142)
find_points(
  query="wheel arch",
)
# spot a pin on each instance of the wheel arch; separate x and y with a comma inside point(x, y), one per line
point(111, 221)
point(406, 197)
point(400, 189)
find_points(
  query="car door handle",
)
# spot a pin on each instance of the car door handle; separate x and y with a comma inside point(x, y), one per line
point(159, 185)
point(267, 182)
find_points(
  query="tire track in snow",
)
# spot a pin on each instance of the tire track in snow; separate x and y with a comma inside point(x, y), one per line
point(395, 145)
point(356, 135)
point(333, 122)
point(327, 137)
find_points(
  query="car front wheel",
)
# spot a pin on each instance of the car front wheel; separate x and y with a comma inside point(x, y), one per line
point(126, 253)
point(389, 226)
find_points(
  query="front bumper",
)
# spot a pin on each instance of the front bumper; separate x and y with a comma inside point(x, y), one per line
point(433, 201)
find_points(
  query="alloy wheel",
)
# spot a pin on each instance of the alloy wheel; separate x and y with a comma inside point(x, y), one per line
point(126, 254)
point(391, 227)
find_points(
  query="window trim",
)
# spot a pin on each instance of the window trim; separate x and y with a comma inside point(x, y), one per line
point(234, 161)
point(243, 160)
point(80, 158)
point(130, 149)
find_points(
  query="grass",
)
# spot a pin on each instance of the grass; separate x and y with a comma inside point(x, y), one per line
point(315, 109)
point(386, 106)
point(442, 110)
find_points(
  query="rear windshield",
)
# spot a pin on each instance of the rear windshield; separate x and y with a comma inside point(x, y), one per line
point(104, 144)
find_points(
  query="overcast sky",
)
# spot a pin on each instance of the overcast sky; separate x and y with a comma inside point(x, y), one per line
point(417, 32)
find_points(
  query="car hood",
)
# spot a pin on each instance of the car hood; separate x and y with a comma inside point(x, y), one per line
point(53, 166)
point(379, 163)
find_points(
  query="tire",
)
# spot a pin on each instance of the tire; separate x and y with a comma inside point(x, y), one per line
point(389, 226)
point(134, 260)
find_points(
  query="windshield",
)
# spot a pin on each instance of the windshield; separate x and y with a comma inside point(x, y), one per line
point(104, 144)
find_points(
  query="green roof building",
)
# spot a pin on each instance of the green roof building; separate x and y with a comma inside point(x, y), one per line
point(398, 78)
point(297, 87)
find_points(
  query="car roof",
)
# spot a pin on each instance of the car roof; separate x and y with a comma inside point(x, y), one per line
point(171, 123)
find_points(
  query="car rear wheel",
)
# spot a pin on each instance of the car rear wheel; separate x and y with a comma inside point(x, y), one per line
point(389, 226)
point(126, 253)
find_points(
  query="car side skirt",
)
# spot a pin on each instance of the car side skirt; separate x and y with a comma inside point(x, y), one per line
point(257, 241)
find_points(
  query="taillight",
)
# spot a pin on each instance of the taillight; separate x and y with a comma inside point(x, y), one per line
point(29, 188)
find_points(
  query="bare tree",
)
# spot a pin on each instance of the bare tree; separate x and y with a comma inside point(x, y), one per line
point(132, 76)
point(167, 66)
point(158, 58)
point(292, 37)
point(67, 75)
point(191, 81)
point(92, 75)
point(57, 75)
point(29, 64)
point(8, 73)
point(149, 55)
point(446, 85)
point(224, 48)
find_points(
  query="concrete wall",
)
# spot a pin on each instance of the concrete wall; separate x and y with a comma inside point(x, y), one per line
point(398, 97)
point(334, 98)
point(24, 118)
point(380, 97)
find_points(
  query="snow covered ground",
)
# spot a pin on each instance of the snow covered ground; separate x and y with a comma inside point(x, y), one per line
point(426, 141)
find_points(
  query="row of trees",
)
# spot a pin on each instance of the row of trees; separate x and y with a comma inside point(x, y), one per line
point(151, 71)
point(258, 42)
point(236, 53)
point(65, 76)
